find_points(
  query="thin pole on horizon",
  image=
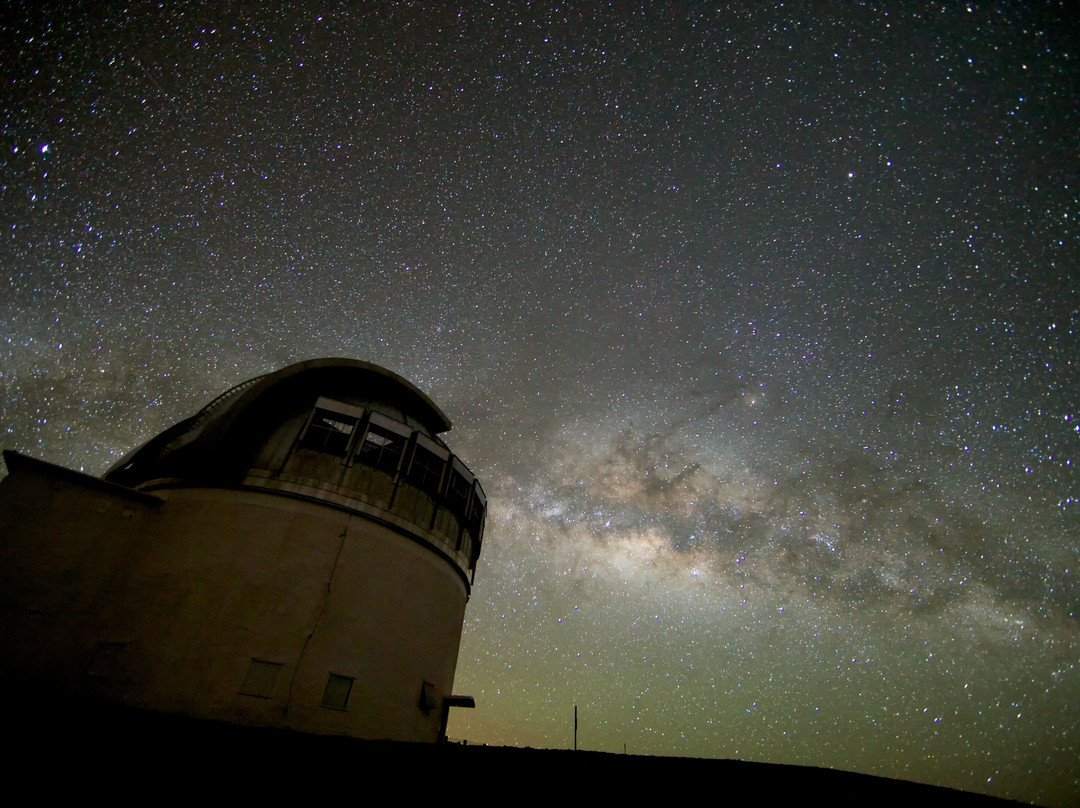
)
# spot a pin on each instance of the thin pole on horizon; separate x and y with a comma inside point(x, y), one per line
point(575, 727)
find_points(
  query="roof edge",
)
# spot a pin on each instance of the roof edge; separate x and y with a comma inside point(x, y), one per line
point(19, 463)
point(439, 419)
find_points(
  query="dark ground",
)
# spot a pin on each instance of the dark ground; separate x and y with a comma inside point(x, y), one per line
point(73, 747)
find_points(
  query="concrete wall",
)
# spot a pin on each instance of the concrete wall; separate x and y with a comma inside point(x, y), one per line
point(165, 602)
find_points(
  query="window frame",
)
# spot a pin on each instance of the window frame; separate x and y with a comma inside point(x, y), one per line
point(441, 453)
point(386, 424)
point(259, 685)
point(331, 678)
point(333, 407)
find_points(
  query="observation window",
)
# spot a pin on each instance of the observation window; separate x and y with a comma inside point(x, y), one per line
point(427, 465)
point(384, 444)
point(459, 491)
point(331, 427)
point(474, 514)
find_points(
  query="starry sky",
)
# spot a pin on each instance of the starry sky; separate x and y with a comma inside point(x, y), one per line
point(759, 324)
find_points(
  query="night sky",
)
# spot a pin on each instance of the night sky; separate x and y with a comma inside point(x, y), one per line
point(759, 325)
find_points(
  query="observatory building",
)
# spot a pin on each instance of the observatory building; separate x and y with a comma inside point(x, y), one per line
point(297, 554)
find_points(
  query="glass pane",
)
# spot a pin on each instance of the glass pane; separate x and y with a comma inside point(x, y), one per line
point(337, 692)
point(382, 449)
point(329, 432)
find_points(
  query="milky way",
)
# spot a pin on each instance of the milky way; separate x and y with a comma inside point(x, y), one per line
point(759, 325)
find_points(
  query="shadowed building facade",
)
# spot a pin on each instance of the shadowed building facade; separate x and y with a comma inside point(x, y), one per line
point(297, 554)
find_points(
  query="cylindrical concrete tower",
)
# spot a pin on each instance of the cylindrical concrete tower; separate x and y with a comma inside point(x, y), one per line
point(299, 553)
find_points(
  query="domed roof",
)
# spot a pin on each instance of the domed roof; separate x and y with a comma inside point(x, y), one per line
point(222, 435)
